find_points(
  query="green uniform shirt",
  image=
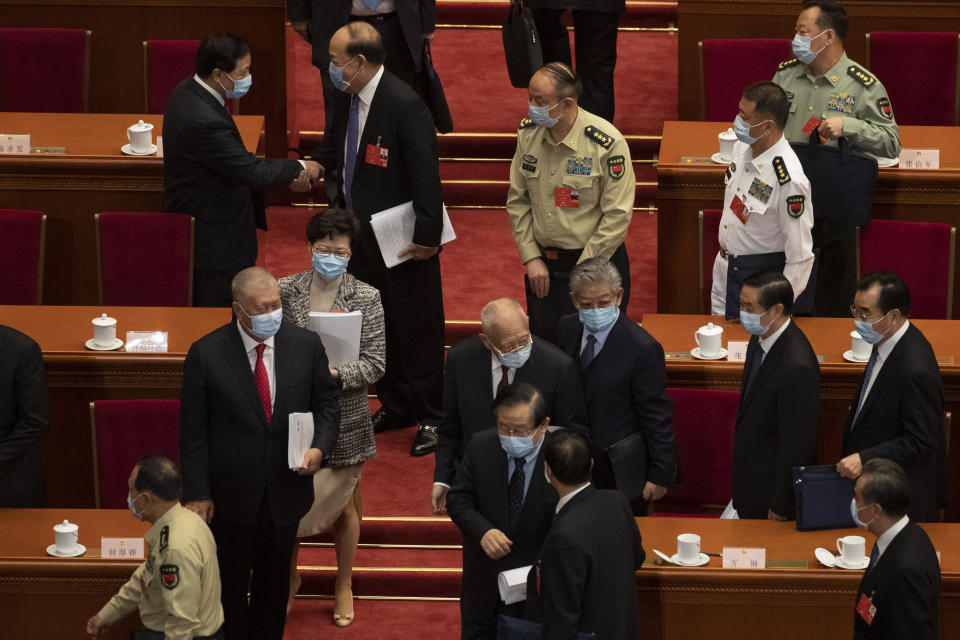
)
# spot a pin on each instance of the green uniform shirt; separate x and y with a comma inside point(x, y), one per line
point(846, 90)
point(178, 587)
point(573, 194)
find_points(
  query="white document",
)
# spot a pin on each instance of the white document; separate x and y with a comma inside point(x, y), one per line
point(513, 584)
point(729, 513)
point(299, 439)
point(340, 334)
point(394, 231)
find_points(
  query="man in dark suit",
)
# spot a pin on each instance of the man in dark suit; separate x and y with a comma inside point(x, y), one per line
point(898, 413)
point(899, 595)
point(779, 407)
point(24, 415)
point(240, 385)
point(391, 159)
point(502, 504)
point(624, 376)
point(209, 174)
point(584, 579)
point(479, 367)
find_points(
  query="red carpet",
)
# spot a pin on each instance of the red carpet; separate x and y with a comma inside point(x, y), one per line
point(379, 619)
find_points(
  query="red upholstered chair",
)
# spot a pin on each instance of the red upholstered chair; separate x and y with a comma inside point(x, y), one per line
point(922, 253)
point(920, 70)
point(165, 64)
point(44, 70)
point(123, 431)
point(728, 66)
point(22, 242)
point(708, 221)
point(145, 259)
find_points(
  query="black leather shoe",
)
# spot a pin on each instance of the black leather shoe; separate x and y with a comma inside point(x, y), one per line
point(384, 420)
point(425, 442)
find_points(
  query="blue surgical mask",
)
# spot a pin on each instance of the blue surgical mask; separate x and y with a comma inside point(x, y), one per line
point(742, 129)
point(598, 319)
point(867, 332)
point(855, 512)
point(752, 324)
point(336, 75)
point(240, 87)
point(518, 446)
point(541, 115)
point(329, 266)
point(131, 501)
point(516, 359)
point(802, 50)
point(265, 325)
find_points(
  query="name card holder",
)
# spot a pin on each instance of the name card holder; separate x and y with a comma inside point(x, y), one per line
point(147, 341)
point(15, 145)
point(122, 548)
point(744, 558)
point(737, 351)
point(920, 159)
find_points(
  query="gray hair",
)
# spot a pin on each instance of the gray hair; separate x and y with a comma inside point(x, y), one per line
point(886, 484)
point(595, 271)
point(248, 279)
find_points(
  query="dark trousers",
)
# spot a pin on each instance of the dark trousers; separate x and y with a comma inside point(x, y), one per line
point(477, 623)
point(412, 299)
point(545, 313)
point(596, 47)
point(254, 557)
point(211, 287)
point(837, 271)
point(739, 268)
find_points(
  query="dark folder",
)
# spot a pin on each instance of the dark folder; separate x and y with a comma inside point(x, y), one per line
point(510, 628)
point(628, 458)
point(823, 498)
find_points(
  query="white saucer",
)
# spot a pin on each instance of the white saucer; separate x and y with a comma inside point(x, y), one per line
point(117, 343)
point(826, 557)
point(849, 357)
point(888, 162)
point(695, 352)
point(702, 560)
point(127, 149)
point(79, 551)
point(719, 159)
point(860, 565)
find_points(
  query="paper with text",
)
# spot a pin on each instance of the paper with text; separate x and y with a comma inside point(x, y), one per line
point(394, 231)
point(299, 439)
point(744, 558)
point(513, 584)
point(340, 334)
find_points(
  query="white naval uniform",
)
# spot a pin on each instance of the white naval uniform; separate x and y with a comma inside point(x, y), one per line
point(769, 226)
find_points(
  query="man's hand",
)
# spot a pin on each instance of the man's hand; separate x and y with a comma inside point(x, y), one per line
point(309, 176)
point(438, 499)
point(775, 516)
point(97, 627)
point(335, 374)
point(850, 467)
point(539, 277)
point(418, 252)
point(311, 462)
point(653, 492)
point(428, 36)
point(831, 128)
point(203, 508)
point(302, 28)
point(495, 544)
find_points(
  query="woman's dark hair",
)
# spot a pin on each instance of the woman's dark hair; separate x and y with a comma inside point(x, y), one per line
point(330, 223)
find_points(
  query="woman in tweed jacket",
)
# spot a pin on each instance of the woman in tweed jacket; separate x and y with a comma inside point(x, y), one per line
point(326, 287)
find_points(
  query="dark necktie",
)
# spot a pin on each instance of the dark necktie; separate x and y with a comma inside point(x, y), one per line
point(589, 352)
point(504, 379)
point(861, 397)
point(874, 557)
point(372, 4)
point(515, 491)
point(755, 366)
point(353, 138)
point(263, 382)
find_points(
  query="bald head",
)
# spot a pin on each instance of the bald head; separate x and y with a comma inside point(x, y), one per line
point(504, 325)
point(251, 281)
point(357, 50)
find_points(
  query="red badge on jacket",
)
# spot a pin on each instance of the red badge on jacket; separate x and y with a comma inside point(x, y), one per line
point(377, 156)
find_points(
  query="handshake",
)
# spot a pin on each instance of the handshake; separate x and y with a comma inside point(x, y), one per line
point(309, 176)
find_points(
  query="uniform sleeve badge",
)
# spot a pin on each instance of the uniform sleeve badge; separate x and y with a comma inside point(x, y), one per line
point(617, 166)
point(795, 206)
point(783, 176)
point(842, 102)
point(169, 576)
point(760, 190)
point(883, 104)
point(164, 538)
point(598, 136)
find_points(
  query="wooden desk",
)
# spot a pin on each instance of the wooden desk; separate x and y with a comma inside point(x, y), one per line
point(92, 176)
point(46, 597)
point(839, 380)
point(797, 602)
point(685, 189)
point(77, 376)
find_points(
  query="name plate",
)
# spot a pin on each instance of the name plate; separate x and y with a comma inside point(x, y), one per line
point(736, 351)
point(147, 341)
point(920, 159)
point(17, 145)
point(121, 548)
point(744, 558)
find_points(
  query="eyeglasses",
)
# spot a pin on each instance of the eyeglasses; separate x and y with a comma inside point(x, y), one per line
point(859, 316)
point(340, 253)
point(523, 346)
point(516, 432)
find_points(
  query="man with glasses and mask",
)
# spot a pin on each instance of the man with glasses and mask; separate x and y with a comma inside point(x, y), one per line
point(624, 377)
point(571, 195)
point(767, 213)
point(898, 412)
point(480, 367)
point(502, 504)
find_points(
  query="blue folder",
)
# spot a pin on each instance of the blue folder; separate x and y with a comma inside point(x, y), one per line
point(823, 498)
point(510, 628)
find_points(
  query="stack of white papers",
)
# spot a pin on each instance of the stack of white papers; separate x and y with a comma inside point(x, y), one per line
point(513, 584)
point(394, 231)
point(299, 439)
point(340, 334)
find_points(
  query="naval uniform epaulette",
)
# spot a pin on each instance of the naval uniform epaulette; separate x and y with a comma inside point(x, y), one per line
point(783, 176)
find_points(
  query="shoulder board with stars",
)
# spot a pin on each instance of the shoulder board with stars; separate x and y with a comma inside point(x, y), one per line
point(164, 538)
point(526, 123)
point(786, 64)
point(783, 176)
point(861, 76)
point(598, 136)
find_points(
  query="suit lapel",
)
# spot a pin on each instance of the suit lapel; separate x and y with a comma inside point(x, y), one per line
point(616, 339)
point(237, 357)
point(283, 361)
point(371, 124)
point(500, 480)
point(481, 373)
point(767, 367)
point(886, 370)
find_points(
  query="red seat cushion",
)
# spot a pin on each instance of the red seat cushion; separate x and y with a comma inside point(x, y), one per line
point(20, 250)
point(43, 70)
point(168, 63)
point(127, 430)
point(711, 245)
point(732, 65)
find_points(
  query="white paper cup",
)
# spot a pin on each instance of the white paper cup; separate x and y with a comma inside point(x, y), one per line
point(852, 549)
point(688, 547)
point(66, 535)
point(860, 347)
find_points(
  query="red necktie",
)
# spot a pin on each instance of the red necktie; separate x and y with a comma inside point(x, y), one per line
point(263, 382)
point(504, 380)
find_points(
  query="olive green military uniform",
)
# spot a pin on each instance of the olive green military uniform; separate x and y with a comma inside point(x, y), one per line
point(846, 90)
point(178, 587)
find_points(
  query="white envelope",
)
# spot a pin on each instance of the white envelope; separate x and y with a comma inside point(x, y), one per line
point(299, 438)
point(513, 584)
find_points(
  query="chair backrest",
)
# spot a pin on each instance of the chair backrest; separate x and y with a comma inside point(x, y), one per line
point(897, 245)
point(145, 259)
point(709, 244)
point(728, 66)
point(123, 431)
point(32, 59)
point(703, 422)
point(165, 64)
point(920, 71)
point(22, 241)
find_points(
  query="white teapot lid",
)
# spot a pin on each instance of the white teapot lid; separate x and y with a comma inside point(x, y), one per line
point(141, 126)
point(65, 527)
point(728, 134)
point(104, 321)
point(710, 329)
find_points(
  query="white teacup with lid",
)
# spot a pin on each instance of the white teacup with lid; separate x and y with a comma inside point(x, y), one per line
point(140, 136)
point(727, 139)
point(709, 339)
point(66, 537)
point(105, 331)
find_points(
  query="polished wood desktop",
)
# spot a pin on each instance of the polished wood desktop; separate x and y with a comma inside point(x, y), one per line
point(92, 176)
point(684, 189)
point(802, 600)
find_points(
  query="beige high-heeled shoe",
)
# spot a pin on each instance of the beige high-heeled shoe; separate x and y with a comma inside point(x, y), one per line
point(343, 619)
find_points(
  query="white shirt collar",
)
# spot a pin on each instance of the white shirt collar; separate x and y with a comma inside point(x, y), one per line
point(885, 349)
point(766, 158)
point(767, 343)
point(212, 91)
point(887, 536)
point(366, 94)
point(249, 344)
point(562, 502)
